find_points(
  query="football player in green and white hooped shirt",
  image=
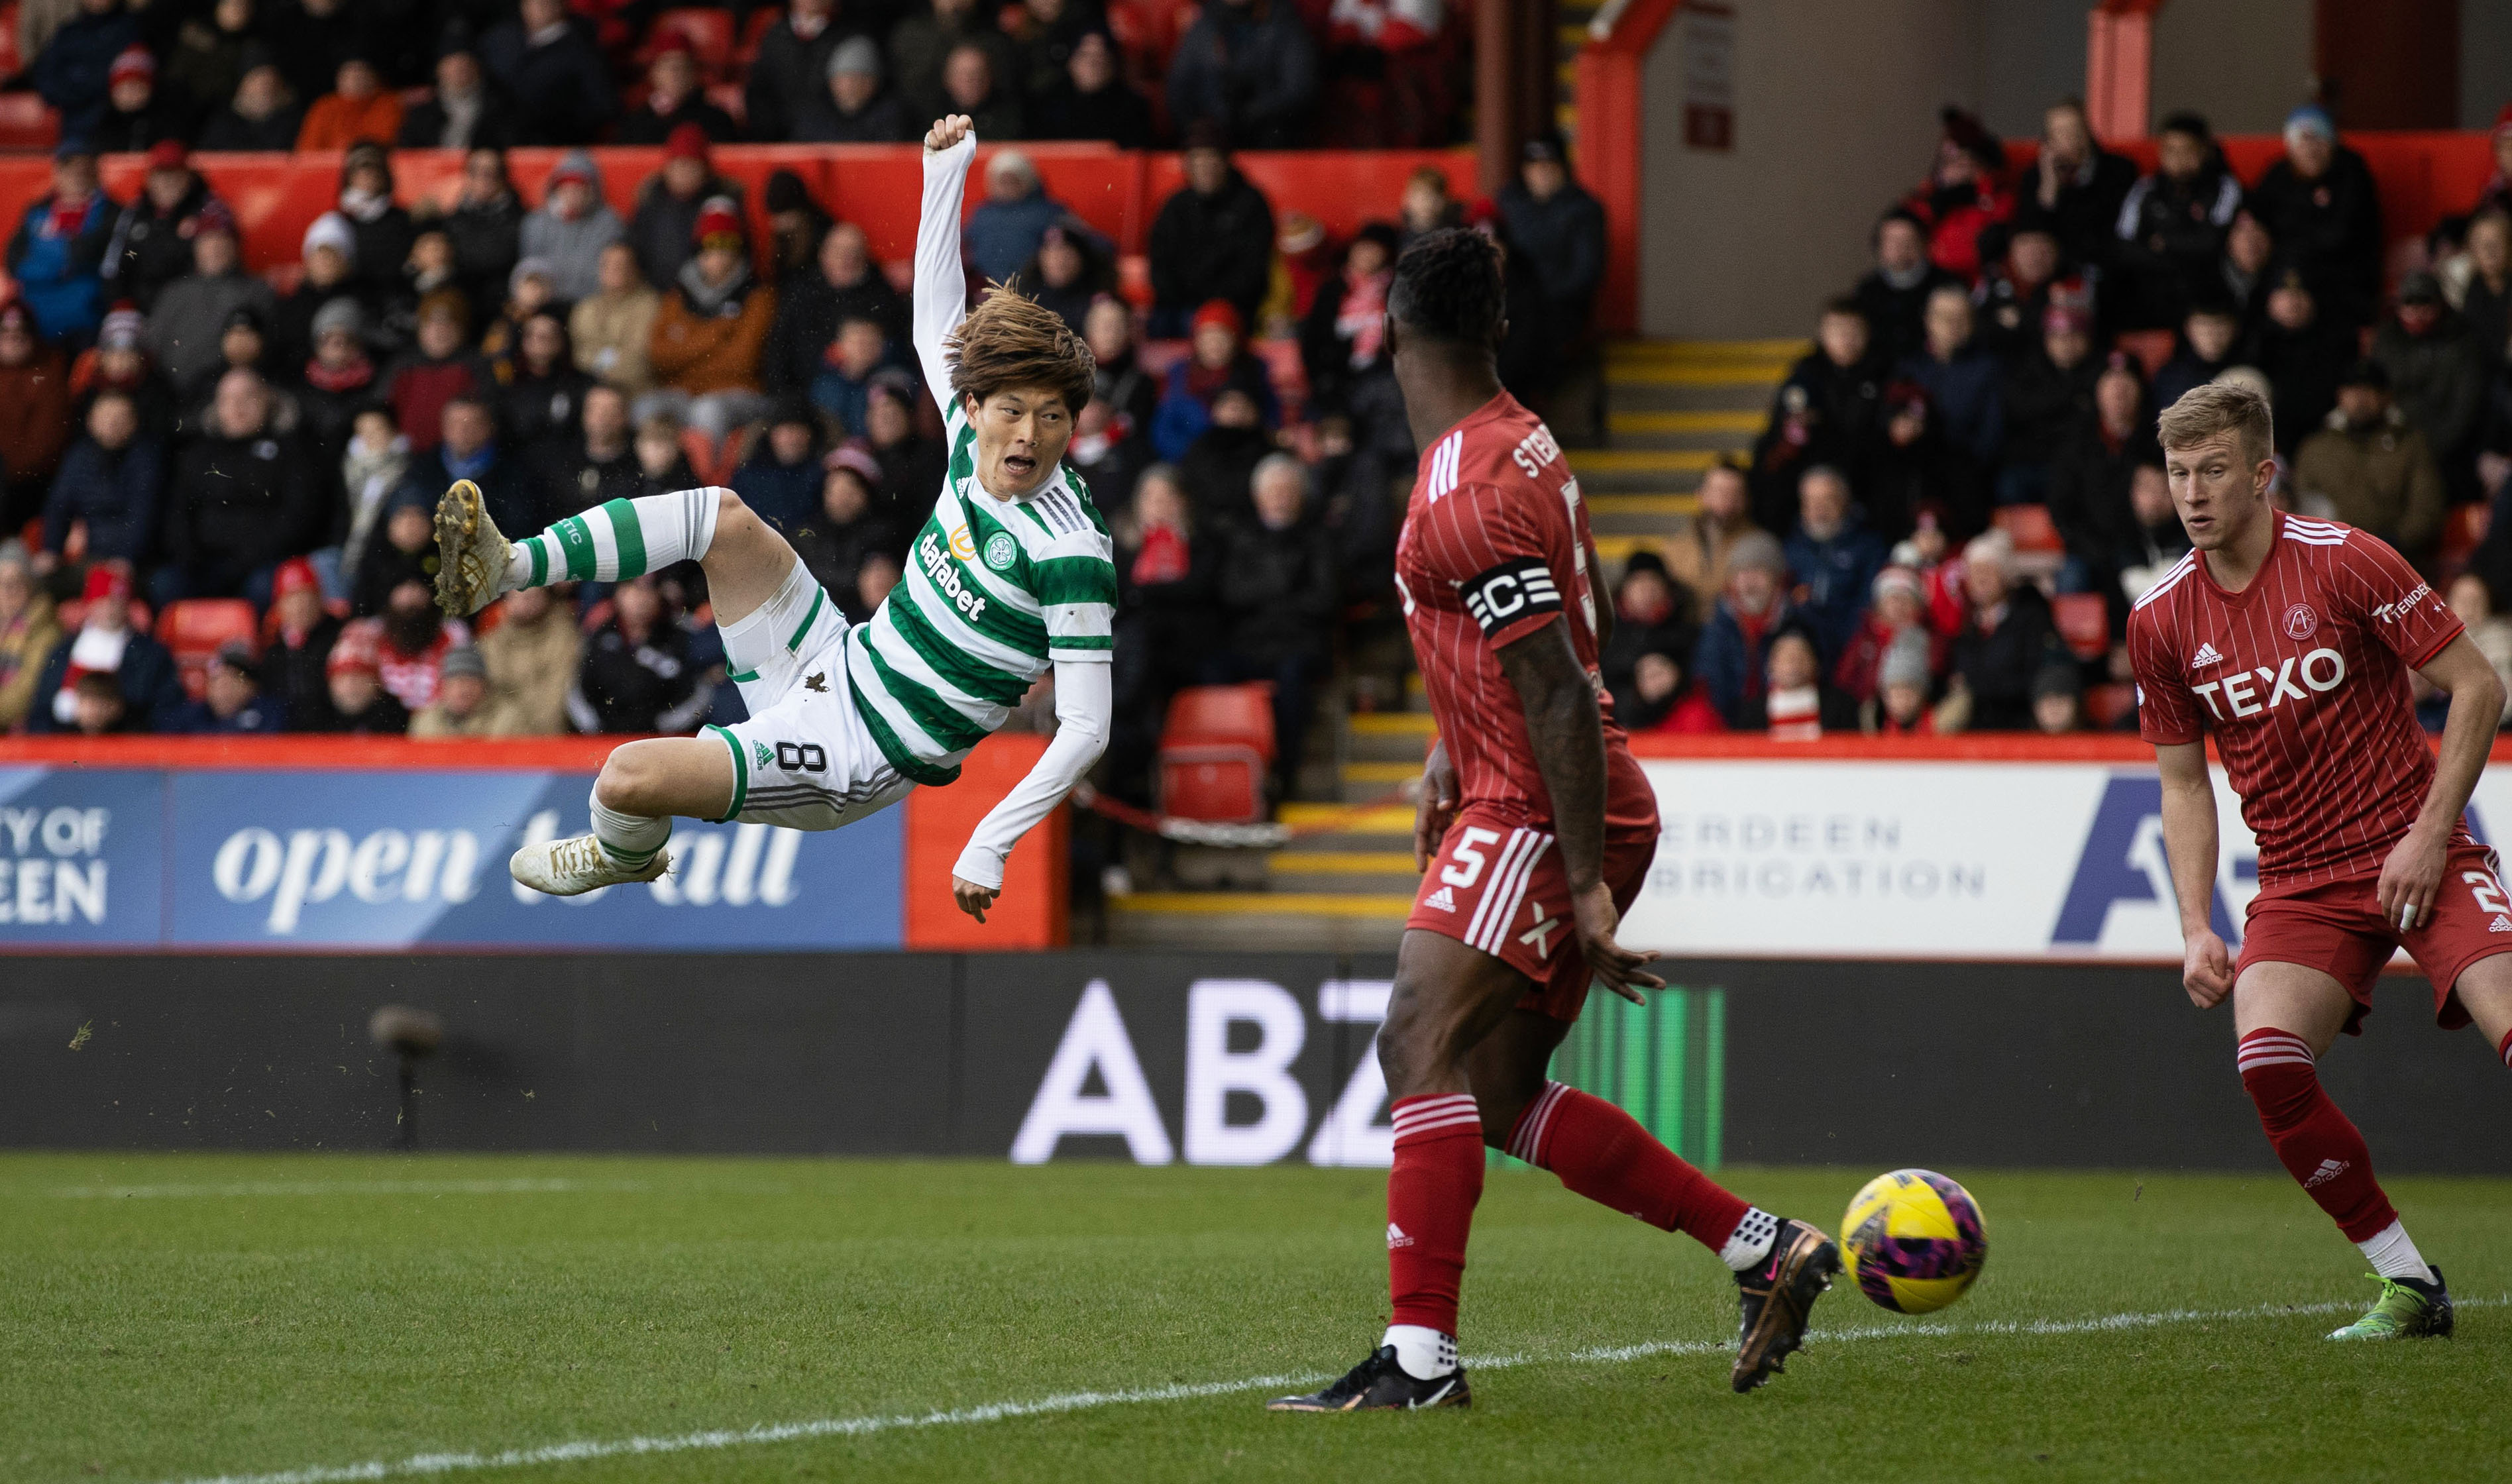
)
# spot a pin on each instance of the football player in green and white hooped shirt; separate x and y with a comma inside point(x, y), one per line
point(1010, 576)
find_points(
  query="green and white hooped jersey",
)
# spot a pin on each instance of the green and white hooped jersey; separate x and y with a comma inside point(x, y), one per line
point(993, 593)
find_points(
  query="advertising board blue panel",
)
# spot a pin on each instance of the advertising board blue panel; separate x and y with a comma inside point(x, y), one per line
point(225, 859)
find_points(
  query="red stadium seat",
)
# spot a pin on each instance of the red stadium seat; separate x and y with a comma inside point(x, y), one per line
point(1214, 752)
point(710, 35)
point(2084, 621)
point(753, 34)
point(11, 62)
point(2105, 706)
point(195, 628)
point(2029, 527)
point(2151, 347)
point(27, 121)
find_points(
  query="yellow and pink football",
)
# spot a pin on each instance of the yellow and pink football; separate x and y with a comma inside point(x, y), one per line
point(1913, 1241)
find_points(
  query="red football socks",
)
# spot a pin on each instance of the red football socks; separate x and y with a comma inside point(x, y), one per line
point(2317, 1142)
point(1603, 1154)
point(1430, 1196)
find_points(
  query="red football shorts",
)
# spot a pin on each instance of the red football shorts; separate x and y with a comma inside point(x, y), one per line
point(2339, 927)
point(1499, 887)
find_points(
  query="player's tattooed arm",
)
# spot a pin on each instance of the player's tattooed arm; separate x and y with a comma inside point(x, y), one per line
point(2412, 877)
point(2189, 844)
point(1568, 734)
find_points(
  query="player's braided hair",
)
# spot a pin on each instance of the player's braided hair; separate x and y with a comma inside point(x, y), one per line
point(1448, 288)
point(1011, 340)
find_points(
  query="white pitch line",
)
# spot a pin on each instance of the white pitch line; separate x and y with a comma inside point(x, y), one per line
point(424, 1465)
point(341, 1188)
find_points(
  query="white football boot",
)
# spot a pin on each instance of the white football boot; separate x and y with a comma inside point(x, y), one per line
point(571, 868)
point(471, 552)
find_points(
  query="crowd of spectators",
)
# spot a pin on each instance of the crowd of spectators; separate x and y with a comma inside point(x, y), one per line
point(174, 431)
point(324, 74)
point(1883, 560)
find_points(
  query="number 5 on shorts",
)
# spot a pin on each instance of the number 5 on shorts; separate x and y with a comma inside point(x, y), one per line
point(1470, 867)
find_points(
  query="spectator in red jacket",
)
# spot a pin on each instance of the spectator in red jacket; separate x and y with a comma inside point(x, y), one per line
point(1965, 194)
point(1899, 607)
point(436, 371)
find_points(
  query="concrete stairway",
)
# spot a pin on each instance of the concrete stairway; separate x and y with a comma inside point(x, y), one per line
point(1346, 881)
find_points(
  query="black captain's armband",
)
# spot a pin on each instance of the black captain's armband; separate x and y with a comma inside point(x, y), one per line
point(1517, 587)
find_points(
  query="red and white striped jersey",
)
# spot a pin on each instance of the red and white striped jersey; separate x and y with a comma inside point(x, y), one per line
point(2302, 677)
point(1495, 547)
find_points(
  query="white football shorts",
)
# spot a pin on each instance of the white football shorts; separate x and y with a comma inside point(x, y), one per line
point(805, 760)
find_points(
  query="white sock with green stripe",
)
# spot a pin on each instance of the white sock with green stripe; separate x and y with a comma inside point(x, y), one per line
point(629, 839)
point(618, 540)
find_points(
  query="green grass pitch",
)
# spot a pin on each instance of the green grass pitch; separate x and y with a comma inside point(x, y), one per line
point(187, 1318)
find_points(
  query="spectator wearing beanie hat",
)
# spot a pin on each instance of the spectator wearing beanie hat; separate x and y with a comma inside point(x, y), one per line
point(1005, 231)
point(545, 59)
point(338, 379)
point(573, 227)
point(109, 483)
point(1899, 607)
point(358, 107)
point(1730, 660)
point(152, 237)
point(233, 703)
point(2438, 375)
point(1217, 362)
point(138, 115)
point(328, 271)
point(2058, 699)
point(72, 69)
point(1899, 708)
point(107, 643)
point(461, 708)
point(34, 412)
point(300, 633)
point(354, 698)
point(2321, 208)
point(674, 96)
point(1663, 697)
point(191, 313)
point(1650, 612)
point(712, 327)
point(854, 109)
point(383, 229)
point(120, 363)
point(665, 228)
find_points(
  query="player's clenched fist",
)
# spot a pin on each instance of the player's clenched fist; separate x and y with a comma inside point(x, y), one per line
point(2206, 971)
point(947, 131)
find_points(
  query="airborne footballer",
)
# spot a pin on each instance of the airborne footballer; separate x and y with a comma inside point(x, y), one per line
point(1012, 576)
point(1535, 827)
point(2291, 640)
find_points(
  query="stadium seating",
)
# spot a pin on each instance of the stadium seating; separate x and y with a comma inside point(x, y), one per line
point(2083, 622)
point(195, 628)
point(709, 37)
point(1214, 752)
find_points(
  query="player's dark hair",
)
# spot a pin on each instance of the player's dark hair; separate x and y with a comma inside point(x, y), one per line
point(1448, 288)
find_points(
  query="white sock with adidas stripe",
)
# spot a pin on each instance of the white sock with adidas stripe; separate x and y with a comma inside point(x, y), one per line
point(629, 839)
point(617, 540)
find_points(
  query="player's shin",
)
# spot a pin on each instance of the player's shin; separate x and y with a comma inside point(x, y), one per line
point(617, 540)
point(1431, 1196)
point(2321, 1147)
point(1603, 1154)
point(630, 840)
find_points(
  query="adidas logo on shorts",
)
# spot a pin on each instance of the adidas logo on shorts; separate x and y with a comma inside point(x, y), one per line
point(1446, 901)
point(2500, 924)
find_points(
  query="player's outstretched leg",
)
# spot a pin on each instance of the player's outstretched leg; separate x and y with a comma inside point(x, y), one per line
point(1604, 1154)
point(608, 543)
point(2287, 1015)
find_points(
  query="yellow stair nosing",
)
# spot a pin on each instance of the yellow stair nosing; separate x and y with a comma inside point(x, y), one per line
point(1642, 460)
point(1721, 421)
point(1332, 862)
point(1385, 905)
point(1381, 772)
point(1397, 724)
point(1783, 348)
point(1346, 819)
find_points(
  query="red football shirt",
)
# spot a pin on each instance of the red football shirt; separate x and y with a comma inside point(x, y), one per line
point(1495, 547)
point(2303, 676)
